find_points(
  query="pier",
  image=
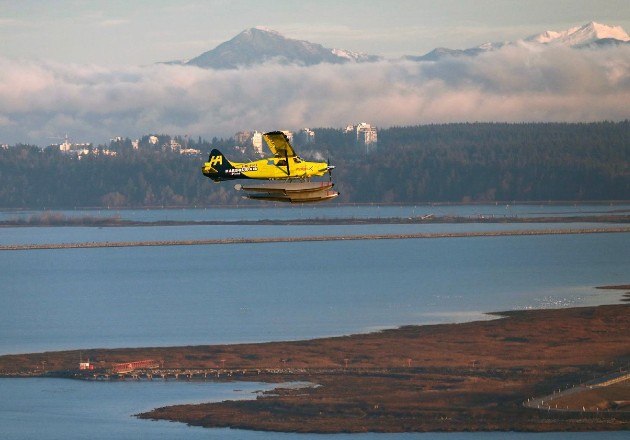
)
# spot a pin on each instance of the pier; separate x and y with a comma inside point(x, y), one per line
point(196, 374)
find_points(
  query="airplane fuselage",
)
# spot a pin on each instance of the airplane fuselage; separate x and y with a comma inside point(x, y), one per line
point(218, 168)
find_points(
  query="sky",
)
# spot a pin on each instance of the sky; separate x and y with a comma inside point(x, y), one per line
point(88, 68)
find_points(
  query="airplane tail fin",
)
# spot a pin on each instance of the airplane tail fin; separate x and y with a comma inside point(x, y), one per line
point(217, 166)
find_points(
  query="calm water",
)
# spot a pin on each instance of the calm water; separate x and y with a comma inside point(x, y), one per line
point(330, 211)
point(27, 235)
point(129, 297)
point(300, 212)
point(148, 296)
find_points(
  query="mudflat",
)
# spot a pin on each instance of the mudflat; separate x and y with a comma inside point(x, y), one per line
point(535, 370)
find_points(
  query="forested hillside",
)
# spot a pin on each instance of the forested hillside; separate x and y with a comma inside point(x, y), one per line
point(431, 163)
point(488, 162)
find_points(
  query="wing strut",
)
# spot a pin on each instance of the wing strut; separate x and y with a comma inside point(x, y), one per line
point(286, 157)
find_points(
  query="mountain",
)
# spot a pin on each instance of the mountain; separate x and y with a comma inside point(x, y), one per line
point(592, 35)
point(260, 45)
point(443, 52)
point(580, 36)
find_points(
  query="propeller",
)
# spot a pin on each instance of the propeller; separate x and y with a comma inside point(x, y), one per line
point(330, 168)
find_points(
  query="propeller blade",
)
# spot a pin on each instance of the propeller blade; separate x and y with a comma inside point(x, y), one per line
point(329, 170)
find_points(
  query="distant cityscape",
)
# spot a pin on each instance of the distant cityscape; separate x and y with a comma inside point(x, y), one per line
point(366, 136)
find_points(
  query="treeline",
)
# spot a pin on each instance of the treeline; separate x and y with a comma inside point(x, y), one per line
point(477, 162)
point(489, 162)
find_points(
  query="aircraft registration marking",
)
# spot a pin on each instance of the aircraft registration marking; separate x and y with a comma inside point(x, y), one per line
point(246, 169)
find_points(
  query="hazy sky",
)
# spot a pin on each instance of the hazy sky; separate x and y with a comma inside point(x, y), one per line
point(148, 31)
point(89, 68)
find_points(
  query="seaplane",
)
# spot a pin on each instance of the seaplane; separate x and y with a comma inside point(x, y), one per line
point(288, 174)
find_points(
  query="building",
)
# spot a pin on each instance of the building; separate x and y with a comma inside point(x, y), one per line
point(257, 142)
point(174, 145)
point(85, 365)
point(289, 135)
point(67, 147)
point(190, 151)
point(367, 136)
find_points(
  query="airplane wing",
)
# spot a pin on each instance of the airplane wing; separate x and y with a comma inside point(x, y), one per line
point(279, 144)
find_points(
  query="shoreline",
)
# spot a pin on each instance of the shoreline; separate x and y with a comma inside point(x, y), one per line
point(474, 376)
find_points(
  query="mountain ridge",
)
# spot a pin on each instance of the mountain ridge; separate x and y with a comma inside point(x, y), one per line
point(592, 34)
point(581, 35)
point(261, 45)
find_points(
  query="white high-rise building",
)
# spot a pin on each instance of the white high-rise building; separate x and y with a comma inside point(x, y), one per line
point(367, 135)
point(257, 142)
point(307, 135)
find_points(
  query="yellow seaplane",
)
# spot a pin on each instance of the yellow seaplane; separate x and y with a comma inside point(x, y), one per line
point(291, 175)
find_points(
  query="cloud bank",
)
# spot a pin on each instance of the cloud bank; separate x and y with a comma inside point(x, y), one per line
point(40, 100)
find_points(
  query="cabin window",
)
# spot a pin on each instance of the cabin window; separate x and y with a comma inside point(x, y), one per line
point(270, 162)
point(296, 159)
point(282, 163)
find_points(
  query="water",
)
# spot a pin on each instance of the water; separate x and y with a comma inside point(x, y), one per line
point(271, 211)
point(28, 235)
point(187, 295)
point(330, 211)
point(65, 409)
point(48, 235)
point(180, 295)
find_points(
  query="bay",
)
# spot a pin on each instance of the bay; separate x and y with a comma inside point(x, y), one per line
point(188, 295)
point(181, 295)
point(61, 409)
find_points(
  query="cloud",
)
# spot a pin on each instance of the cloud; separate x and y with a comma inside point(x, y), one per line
point(114, 22)
point(92, 103)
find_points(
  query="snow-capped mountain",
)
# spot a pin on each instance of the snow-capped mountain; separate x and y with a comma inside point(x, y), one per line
point(261, 45)
point(590, 35)
point(580, 36)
